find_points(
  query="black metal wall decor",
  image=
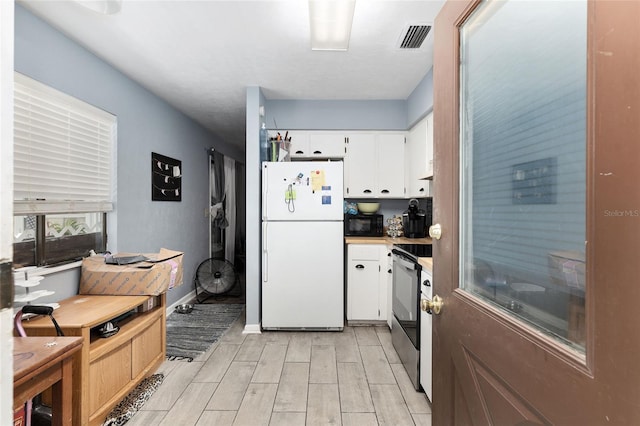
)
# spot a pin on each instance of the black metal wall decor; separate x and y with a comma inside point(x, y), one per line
point(166, 178)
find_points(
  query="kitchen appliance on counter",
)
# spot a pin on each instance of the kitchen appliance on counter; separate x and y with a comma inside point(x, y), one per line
point(302, 245)
point(414, 221)
point(363, 225)
point(405, 306)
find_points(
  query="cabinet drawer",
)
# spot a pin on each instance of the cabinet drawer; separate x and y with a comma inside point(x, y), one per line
point(364, 251)
point(108, 375)
point(145, 347)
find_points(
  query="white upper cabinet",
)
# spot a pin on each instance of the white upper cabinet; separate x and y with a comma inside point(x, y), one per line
point(374, 165)
point(360, 171)
point(391, 165)
point(299, 146)
point(327, 144)
point(316, 144)
point(419, 158)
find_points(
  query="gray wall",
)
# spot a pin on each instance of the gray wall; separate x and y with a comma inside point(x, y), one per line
point(145, 124)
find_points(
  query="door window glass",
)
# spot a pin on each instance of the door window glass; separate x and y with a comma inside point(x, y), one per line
point(523, 162)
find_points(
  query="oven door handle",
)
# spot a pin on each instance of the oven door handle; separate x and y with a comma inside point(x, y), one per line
point(404, 260)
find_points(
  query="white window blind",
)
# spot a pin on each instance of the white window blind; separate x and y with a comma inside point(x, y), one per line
point(62, 151)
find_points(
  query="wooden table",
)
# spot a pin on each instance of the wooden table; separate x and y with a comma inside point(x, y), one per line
point(43, 362)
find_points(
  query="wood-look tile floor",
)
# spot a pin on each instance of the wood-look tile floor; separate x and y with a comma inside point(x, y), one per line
point(353, 377)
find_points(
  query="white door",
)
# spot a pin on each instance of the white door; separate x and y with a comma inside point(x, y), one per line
point(6, 211)
point(302, 191)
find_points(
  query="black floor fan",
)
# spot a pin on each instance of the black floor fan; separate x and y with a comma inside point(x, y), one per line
point(214, 278)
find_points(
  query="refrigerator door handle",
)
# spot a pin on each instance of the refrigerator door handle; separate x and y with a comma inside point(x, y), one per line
point(265, 191)
point(265, 255)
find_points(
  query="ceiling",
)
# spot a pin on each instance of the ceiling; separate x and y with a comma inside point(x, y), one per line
point(200, 56)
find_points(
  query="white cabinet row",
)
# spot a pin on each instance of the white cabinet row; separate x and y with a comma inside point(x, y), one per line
point(378, 164)
point(369, 282)
point(309, 145)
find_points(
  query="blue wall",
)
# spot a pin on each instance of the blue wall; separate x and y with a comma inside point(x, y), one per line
point(145, 124)
point(420, 102)
point(336, 115)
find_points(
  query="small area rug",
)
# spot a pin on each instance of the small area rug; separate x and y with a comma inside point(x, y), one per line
point(126, 408)
point(189, 335)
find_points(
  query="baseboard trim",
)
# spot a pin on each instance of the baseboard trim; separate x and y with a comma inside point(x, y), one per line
point(188, 298)
point(252, 329)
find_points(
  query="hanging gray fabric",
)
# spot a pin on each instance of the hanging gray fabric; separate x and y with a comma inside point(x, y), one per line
point(217, 192)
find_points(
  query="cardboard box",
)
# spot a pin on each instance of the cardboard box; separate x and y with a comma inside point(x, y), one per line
point(162, 272)
point(567, 268)
point(149, 304)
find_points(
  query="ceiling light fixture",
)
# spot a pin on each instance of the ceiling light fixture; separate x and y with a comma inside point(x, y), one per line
point(331, 23)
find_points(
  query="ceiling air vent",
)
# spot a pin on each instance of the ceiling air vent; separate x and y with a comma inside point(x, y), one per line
point(414, 36)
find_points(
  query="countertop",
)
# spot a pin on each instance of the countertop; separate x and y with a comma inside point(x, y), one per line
point(386, 240)
point(426, 263)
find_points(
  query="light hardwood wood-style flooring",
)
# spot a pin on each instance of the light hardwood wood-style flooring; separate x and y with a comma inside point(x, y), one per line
point(353, 377)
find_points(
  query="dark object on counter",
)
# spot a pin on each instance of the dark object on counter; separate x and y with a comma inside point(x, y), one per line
point(363, 225)
point(414, 221)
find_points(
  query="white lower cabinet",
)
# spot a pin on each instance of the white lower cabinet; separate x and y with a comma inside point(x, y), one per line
point(426, 340)
point(367, 282)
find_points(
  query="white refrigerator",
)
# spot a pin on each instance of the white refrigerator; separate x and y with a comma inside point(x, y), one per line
point(302, 245)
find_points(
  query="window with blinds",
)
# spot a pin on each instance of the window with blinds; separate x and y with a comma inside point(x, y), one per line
point(62, 151)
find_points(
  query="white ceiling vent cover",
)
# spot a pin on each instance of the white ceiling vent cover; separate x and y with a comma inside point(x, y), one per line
point(413, 36)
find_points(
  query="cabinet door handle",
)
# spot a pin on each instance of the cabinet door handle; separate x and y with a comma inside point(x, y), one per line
point(427, 283)
point(390, 271)
point(359, 266)
point(421, 189)
point(367, 191)
point(299, 152)
point(385, 191)
point(317, 152)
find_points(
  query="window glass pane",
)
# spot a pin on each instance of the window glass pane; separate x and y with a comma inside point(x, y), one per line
point(72, 236)
point(523, 161)
point(67, 237)
point(24, 240)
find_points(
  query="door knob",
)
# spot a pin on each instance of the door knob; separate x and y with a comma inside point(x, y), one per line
point(435, 231)
point(432, 306)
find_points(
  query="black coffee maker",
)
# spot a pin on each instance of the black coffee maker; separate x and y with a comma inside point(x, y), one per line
point(414, 221)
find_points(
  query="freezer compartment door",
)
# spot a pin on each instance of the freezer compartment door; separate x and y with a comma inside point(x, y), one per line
point(309, 190)
point(303, 278)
